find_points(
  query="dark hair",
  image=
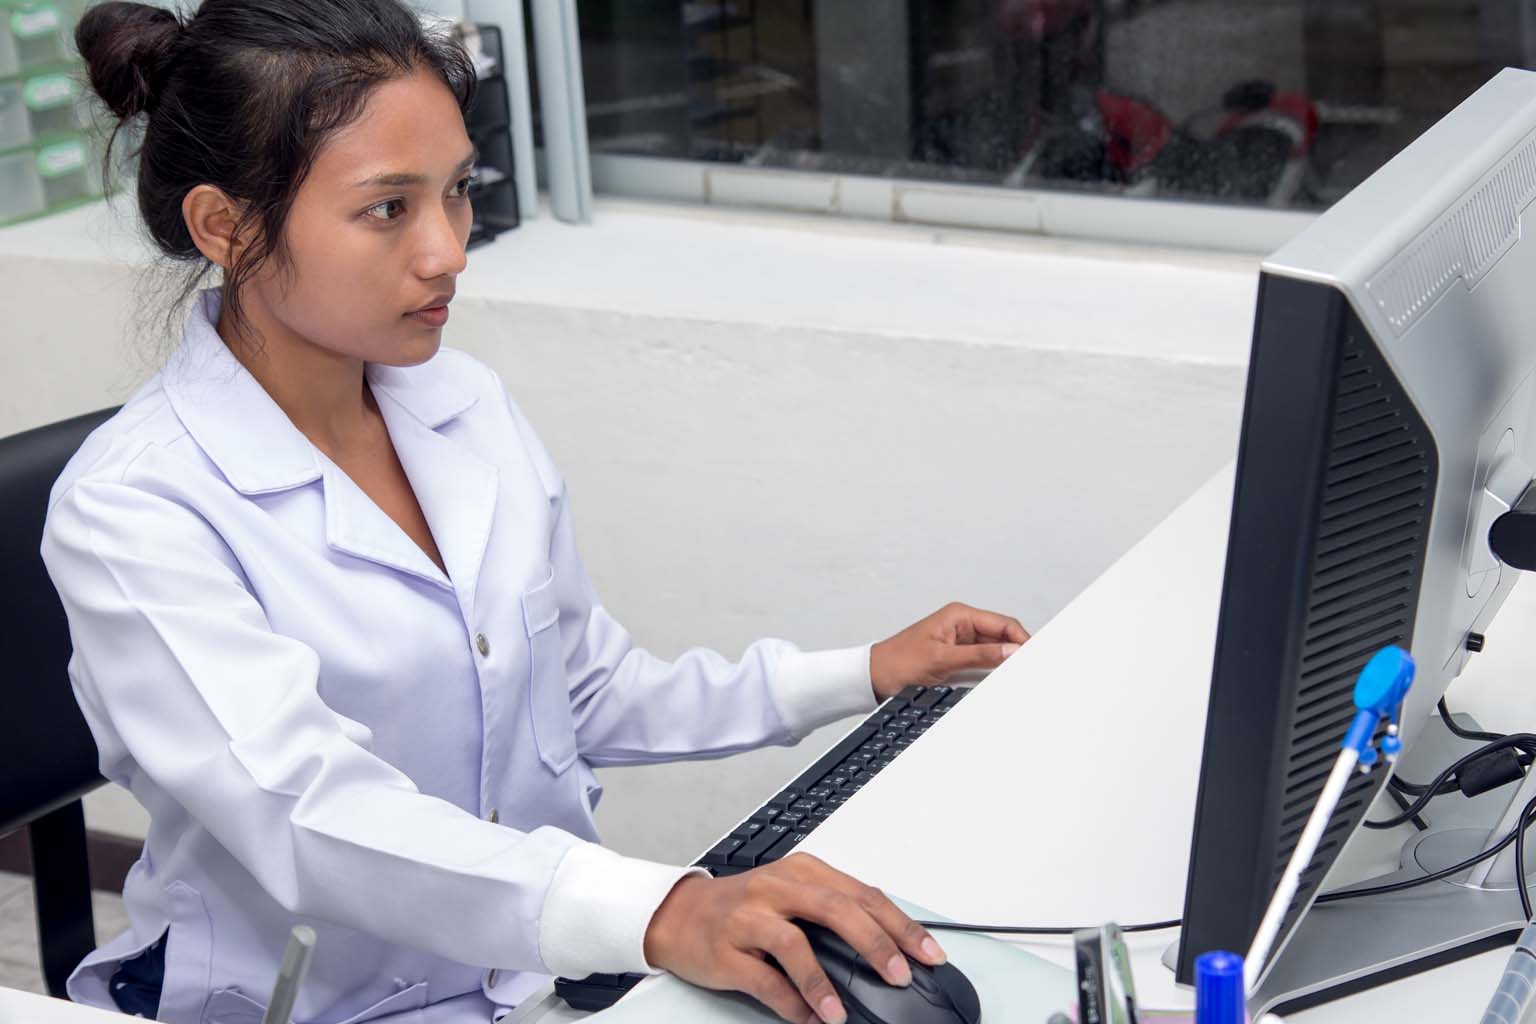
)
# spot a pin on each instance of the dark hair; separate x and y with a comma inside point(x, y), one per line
point(241, 95)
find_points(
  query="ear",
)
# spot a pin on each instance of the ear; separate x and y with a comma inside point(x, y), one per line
point(212, 218)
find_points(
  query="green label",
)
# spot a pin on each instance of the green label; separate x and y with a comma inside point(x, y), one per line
point(61, 158)
point(38, 21)
point(48, 91)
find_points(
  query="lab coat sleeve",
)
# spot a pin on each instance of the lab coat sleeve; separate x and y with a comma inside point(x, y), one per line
point(183, 682)
point(631, 707)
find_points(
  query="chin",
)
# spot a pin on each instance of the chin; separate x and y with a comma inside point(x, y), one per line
point(410, 355)
point(414, 352)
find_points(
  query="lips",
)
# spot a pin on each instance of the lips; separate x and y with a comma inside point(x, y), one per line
point(435, 301)
point(431, 316)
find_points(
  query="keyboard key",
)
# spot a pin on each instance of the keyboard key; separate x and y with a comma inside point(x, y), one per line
point(747, 829)
point(747, 854)
point(790, 818)
point(910, 693)
point(832, 758)
point(784, 847)
point(823, 812)
point(721, 854)
point(955, 696)
point(818, 793)
point(931, 696)
point(803, 806)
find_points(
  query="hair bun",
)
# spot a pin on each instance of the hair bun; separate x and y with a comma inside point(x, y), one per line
point(125, 47)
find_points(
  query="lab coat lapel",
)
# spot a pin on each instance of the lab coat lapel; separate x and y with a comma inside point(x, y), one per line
point(455, 488)
point(357, 526)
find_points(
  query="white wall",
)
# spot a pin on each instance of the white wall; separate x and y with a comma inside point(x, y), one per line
point(774, 426)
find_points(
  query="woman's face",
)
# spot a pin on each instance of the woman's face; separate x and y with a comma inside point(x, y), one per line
point(376, 233)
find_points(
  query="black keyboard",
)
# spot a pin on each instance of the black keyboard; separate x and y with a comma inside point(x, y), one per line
point(776, 828)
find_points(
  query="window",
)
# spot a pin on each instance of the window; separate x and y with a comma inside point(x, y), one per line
point(1258, 103)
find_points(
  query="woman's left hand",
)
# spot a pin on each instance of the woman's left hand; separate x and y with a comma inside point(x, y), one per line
point(952, 639)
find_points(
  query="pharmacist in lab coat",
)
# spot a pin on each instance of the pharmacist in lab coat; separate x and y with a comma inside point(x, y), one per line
point(331, 629)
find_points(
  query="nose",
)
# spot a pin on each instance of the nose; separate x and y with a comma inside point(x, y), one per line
point(440, 244)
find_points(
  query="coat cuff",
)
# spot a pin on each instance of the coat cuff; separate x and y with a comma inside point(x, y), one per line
point(597, 909)
point(814, 688)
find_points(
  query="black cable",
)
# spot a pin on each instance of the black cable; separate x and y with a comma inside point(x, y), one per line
point(1518, 740)
point(1414, 789)
point(1466, 734)
point(1402, 805)
point(1435, 876)
point(1525, 896)
point(1153, 926)
point(1515, 835)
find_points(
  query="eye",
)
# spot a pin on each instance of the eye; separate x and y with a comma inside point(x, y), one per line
point(461, 189)
point(388, 210)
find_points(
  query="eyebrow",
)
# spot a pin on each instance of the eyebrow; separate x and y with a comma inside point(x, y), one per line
point(399, 179)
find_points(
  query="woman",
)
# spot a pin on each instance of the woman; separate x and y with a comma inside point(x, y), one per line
point(330, 624)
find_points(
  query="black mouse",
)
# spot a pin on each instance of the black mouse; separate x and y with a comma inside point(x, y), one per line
point(937, 995)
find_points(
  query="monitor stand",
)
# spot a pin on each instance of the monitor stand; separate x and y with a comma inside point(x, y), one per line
point(1344, 947)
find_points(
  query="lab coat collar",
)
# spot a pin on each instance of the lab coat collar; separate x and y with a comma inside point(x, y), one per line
point(246, 433)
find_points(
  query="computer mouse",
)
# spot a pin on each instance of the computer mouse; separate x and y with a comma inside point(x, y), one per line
point(937, 995)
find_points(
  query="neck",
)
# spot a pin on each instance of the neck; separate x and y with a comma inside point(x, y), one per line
point(323, 392)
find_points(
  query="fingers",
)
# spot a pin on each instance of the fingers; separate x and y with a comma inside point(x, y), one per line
point(963, 656)
point(772, 989)
point(827, 904)
point(811, 987)
point(912, 937)
point(978, 624)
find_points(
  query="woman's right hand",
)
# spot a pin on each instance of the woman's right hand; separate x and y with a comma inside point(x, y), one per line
point(715, 932)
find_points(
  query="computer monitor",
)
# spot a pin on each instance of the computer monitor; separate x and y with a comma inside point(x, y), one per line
point(1388, 419)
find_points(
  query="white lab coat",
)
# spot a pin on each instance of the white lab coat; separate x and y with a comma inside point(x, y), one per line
point(326, 728)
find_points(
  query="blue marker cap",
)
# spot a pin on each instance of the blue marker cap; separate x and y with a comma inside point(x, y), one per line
point(1219, 989)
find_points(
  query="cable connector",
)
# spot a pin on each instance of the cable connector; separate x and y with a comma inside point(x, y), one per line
point(1379, 693)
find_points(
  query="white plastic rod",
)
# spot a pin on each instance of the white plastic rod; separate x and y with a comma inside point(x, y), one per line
point(290, 975)
point(1301, 856)
point(563, 104)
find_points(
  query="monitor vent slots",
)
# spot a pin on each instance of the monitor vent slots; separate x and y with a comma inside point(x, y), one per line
point(1372, 529)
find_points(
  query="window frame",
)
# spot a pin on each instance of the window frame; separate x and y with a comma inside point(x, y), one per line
point(1225, 227)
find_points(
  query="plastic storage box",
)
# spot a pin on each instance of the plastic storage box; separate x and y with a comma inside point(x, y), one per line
point(53, 176)
point(34, 34)
point(41, 105)
point(21, 187)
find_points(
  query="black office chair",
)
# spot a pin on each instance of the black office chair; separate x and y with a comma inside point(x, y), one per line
point(50, 758)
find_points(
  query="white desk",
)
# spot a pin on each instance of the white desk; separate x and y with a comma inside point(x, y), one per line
point(1097, 724)
point(18, 1007)
point(1098, 720)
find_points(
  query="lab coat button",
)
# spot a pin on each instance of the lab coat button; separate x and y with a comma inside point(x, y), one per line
point(482, 645)
point(490, 979)
point(492, 818)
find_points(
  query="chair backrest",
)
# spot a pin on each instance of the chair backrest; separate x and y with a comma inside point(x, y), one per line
point(50, 758)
